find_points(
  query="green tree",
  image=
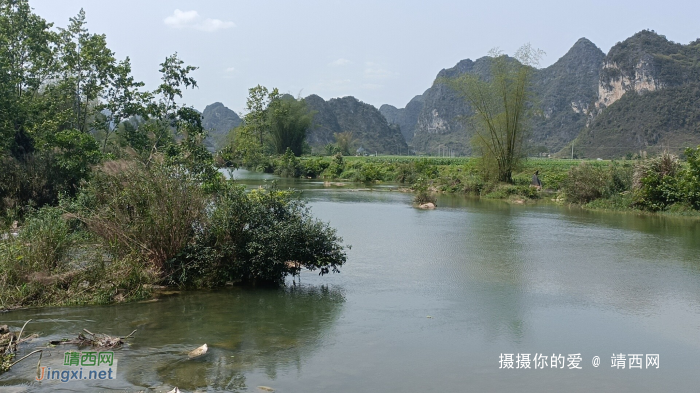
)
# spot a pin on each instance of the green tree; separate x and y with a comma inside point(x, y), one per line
point(259, 98)
point(288, 119)
point(26, 63)
point(501, 106)
point(122, 100)
point(87, 68)
point(163, 110)
point(243, 148)
point(345, 142)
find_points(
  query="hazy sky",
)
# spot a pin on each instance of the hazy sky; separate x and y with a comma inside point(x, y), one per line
point(378, 51)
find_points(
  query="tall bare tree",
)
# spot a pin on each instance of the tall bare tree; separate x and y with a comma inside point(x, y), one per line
point(501, 104)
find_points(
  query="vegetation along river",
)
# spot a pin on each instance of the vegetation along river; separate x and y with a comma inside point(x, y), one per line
point(427, 302)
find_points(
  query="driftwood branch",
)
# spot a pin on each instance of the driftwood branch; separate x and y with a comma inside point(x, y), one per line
point(28, 355)
point(95, 340)
point(22, 330)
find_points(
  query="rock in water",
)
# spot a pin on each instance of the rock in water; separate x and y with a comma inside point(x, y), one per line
point(266, 388)
point(175, 390)
point(198, 352)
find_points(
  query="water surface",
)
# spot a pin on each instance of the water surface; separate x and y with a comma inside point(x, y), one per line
point(427, 302)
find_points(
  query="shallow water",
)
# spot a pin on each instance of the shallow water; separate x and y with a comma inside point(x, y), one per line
point(427, 302)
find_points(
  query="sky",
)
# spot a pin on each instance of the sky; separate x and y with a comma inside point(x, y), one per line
point(381, 52)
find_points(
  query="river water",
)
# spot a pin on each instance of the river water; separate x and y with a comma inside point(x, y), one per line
point(427, 302)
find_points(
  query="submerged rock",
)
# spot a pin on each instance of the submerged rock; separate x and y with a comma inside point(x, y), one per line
point(427, 206)
point(195, 353)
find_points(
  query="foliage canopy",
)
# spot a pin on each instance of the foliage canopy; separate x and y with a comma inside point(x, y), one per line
point(501, 106)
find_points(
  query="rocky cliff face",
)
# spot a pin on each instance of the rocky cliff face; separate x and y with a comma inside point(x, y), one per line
point(406, 118)
point(648, 99)
point(369, 128)
point(616, 83)
point(218, 120)
point(639, 64)
point(565, 91)
point(441, 122)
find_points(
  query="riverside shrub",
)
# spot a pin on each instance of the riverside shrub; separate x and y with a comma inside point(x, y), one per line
point(585, 183)
point(257, 238)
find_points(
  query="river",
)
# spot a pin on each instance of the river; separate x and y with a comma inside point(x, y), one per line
point(428, 301)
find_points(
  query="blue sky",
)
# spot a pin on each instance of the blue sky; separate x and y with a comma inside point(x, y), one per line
point(378, 51)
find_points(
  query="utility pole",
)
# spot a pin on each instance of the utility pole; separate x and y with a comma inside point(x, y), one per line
point(572, 150)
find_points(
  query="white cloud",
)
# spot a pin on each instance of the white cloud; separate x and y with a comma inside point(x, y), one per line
point(229, 70)
point(340, 62)
point(377, 71)
point(333, 85)
point(371, 86)
point(192, 20)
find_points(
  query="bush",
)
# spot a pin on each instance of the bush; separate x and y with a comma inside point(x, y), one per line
point(313, 167)
point(259, 238)
point(369, 172)
point(288, 165)
point(405, 173)
point(423, 197)
point(54, 261)
point(690, 181)
point(153, 211)
point(38, 253)
point(422, 193)
point(586, 182)
point(38, 179)
point(47, 237)
point(656, 182)
point(337, 166)
point(426, 168)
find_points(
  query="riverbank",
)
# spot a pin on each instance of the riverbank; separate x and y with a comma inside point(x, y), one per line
point(661, 185)
point(134, 228)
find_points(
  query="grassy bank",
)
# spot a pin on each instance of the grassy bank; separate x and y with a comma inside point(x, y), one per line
point(662, 184)
point(133, 228)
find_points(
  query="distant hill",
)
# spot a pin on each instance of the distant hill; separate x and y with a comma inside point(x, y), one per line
point(369, 128)
point(440, 123)
point(648, 99)
point(644, 95)
point(406, 118)
point(564, 90)
point(218, 120)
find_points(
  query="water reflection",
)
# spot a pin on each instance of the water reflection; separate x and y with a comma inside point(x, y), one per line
point(245, 330)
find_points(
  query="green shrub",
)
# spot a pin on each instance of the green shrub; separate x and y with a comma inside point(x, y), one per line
point(405, 172)
point(336, 167)
point(426, 168)
point(473, 185)
point(257, 237)
point(154, 211)
point(313, 167)
point(423, 197)
point(422, 194)
point(369, 172)
point(288, 165)
point(586, 182)
point(55, 262)
point(47, 237)
point(657, 182)
point(690, 181)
